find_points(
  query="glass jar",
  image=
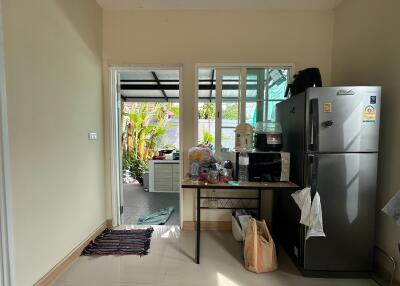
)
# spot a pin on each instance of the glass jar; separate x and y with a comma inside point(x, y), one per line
point(213, 177)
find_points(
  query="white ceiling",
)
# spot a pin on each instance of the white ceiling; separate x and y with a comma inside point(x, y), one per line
point(219, 4)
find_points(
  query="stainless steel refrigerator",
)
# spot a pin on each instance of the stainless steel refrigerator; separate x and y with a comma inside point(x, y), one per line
point(332, 134)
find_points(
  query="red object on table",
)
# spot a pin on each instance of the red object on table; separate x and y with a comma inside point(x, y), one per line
point(158, 157)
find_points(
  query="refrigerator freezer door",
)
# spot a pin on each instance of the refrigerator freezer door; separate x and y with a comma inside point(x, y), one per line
point(343, 119)
point(347, 187)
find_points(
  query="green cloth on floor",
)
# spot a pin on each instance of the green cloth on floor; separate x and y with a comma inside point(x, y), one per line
point(159, 217)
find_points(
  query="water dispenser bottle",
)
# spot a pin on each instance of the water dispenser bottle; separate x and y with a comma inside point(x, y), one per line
point(243, 172)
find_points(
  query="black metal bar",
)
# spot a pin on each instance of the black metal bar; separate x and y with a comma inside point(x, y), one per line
point(228, 198)
point(234, 208)
point(259, 204)
point(272, 186)
point(177, 80)
point(160, 86)
point(149, 98)
point(159, 83)
point(212, 82)
point(198, 221)
point(275, 222)
point(149, 80)
point(129, 86)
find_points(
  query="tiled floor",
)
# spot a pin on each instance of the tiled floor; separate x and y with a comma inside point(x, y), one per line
point(170, 262)
point(137, 202)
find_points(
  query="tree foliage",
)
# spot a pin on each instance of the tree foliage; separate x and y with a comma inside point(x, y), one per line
point(230, 112)
point(207, 111)
point(142, 134)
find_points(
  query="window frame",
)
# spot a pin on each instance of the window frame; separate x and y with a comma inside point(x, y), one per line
point(242, 100)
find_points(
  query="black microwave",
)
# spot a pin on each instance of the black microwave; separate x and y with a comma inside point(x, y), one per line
point(267, 166)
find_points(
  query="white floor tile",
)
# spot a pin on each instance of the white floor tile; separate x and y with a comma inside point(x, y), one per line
point(170, 263)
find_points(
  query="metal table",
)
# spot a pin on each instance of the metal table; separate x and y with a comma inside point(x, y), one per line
point(259, 186)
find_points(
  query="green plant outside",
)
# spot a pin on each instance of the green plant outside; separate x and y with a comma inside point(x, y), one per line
point(231, 112)
point(207, 138)
point(142, 135)
point(207, 111)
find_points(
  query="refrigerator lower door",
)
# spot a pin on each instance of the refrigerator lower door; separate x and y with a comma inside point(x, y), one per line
point(346, 184)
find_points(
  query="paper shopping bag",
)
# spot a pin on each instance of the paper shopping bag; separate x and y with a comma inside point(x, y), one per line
point(259, 248)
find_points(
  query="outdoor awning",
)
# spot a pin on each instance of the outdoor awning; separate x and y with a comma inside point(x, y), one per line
point(149, 85)
point(163, 85)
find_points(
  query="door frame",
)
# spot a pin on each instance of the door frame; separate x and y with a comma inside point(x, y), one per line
point(114, 133)
point(7, 255)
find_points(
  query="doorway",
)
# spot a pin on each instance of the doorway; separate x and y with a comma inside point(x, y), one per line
point(146, 149)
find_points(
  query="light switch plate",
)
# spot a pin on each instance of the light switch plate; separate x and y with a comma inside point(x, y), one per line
point(92, 136)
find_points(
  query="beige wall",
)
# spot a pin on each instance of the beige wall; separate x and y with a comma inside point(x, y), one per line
point(53, 69)
point(189, 37)
point(367, 52)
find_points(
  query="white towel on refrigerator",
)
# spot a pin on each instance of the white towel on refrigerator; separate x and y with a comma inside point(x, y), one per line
point(311, 212)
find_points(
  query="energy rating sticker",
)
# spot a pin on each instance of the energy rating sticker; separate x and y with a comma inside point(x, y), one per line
point(328, 107)
point(369, 114)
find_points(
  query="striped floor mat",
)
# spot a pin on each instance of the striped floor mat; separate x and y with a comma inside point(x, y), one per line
point(120, 242)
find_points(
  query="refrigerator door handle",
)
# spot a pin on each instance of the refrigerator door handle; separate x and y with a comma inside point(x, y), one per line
point(314, 124)
point(312, 175)
point(310, 162)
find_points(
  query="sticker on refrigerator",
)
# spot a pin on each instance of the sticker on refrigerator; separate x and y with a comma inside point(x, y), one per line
point(327, 107)
point(369, 114)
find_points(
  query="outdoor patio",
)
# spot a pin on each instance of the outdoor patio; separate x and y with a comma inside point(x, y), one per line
point(137, 202)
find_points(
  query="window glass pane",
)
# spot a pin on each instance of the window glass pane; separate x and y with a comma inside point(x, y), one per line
point(206, 123)
point(230, 119)
point(206, 83)
point(255, 95)
point(251, 83)
point(272, 110)
point(227, 139)
point(251, 113)
point(277, 83)
point(230, 86)
point(230, 113)
point(260, 82)
point(205, 74)
point(205, 94)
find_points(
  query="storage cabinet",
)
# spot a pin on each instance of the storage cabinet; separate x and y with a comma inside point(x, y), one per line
point(164, 176)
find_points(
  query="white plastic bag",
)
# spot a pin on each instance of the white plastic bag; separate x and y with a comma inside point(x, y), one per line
point(239, 228)
point(303, 200)
point(311, 212)
point(316, 228)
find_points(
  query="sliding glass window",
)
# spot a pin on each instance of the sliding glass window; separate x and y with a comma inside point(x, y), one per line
point(264, 89)
point(224, 94)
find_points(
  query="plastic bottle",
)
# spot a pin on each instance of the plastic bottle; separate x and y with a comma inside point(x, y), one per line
point(243, 174)
point(194, 172)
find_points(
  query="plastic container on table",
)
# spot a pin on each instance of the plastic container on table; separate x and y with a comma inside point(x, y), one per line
point(268, 136)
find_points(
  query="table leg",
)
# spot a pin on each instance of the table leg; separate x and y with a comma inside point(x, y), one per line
point(275, 219)
point(259, 204)
point(198, 227)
